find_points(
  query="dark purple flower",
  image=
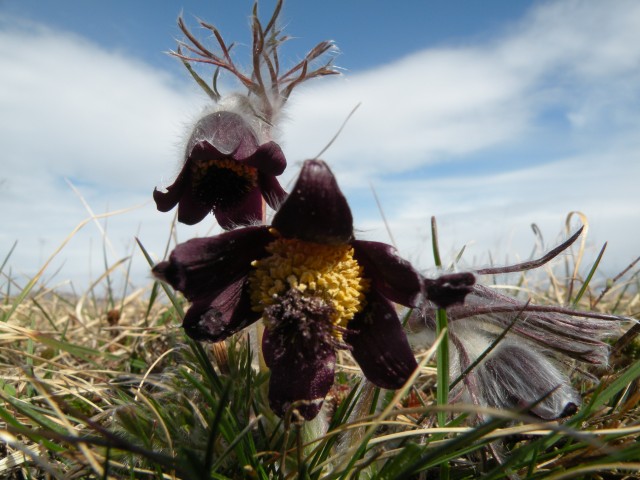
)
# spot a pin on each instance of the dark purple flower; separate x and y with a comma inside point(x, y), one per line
point(225, 171)
point(316, 288)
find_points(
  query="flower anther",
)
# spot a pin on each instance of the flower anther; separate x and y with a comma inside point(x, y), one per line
point(317, 270)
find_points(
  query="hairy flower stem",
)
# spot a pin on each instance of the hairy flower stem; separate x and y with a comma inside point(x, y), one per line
point(442, 358)
point(442, 355)
point(259, 326)
point(367, 399)
point(312, 431)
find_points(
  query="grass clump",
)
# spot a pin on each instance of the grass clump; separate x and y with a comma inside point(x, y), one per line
point(108, 386)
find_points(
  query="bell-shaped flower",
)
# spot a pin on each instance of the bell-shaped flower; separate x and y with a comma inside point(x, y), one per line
point(316, 288)
point(227, 172)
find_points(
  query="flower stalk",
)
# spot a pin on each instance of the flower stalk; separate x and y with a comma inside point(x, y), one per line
point(442, 354)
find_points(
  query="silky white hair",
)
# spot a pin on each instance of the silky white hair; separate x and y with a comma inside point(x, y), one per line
point(504, 353)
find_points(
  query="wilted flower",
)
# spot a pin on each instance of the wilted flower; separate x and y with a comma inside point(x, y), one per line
point(225, 171)
point(316, 288)
point(509, 354)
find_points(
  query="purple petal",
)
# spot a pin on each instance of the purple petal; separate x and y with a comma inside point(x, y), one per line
point(246, 211)
point(202, 267)
point(165, 201)
point(227, 135)
point(390, 275)
point(268, 158)
point(315, 210)
point(204, 151)
point(190, 209)
point(229, 312)
point(380, 345)
point(297, 379)
point(222, 134)
point(272, 192)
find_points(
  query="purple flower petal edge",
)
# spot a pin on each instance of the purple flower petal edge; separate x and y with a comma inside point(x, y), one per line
point(296, 381)
point(227, 133)
point(391, 275)
point(227, 313)
point(272, 192)
point(315, 210)
point(202, 267)
point(268, 159)
point(379, 344)
point(248, 210)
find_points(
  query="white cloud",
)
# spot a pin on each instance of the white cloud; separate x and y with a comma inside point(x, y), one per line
point(420, 109)
point(92, 114)
point(561, 85)
point(554, 99)
point(73, 110)
point(492, 213)
point(578, 60)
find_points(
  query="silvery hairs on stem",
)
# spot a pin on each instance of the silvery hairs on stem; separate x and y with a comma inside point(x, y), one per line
point(505, 353)
point(268, 87)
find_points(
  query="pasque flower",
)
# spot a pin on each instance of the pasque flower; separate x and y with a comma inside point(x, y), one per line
point(227, 172)
point(231, 163)
point(316, 288)
point(506, 353)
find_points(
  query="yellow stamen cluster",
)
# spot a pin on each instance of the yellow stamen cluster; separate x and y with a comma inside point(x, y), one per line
point(326, 271)
point(200, 169)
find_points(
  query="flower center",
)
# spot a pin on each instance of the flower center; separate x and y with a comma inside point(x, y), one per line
point(221, 182)
point(327, 272)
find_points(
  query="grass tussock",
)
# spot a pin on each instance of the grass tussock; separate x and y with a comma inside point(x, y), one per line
point(105, 384)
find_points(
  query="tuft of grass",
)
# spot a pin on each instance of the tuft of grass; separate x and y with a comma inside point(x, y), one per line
point(105, 384)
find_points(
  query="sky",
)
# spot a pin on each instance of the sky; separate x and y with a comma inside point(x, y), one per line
point(491, 116)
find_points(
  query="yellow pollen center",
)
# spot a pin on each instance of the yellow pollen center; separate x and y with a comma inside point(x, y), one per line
point(326, 271)
point(202, 167)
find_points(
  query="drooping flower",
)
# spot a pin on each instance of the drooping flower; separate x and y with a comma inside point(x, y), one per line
point(231, 163)
point(226, 172)
point(316, 288)
point(509, 354)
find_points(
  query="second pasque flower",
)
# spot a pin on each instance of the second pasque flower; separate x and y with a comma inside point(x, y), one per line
point(225, 172)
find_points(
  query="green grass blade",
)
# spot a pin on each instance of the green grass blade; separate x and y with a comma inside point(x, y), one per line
point(585, 285)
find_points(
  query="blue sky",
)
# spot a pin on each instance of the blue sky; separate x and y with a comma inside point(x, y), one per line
point(490, 115)
point(368, 32)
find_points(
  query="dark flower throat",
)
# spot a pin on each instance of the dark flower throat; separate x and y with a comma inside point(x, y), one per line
point(222, 182)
